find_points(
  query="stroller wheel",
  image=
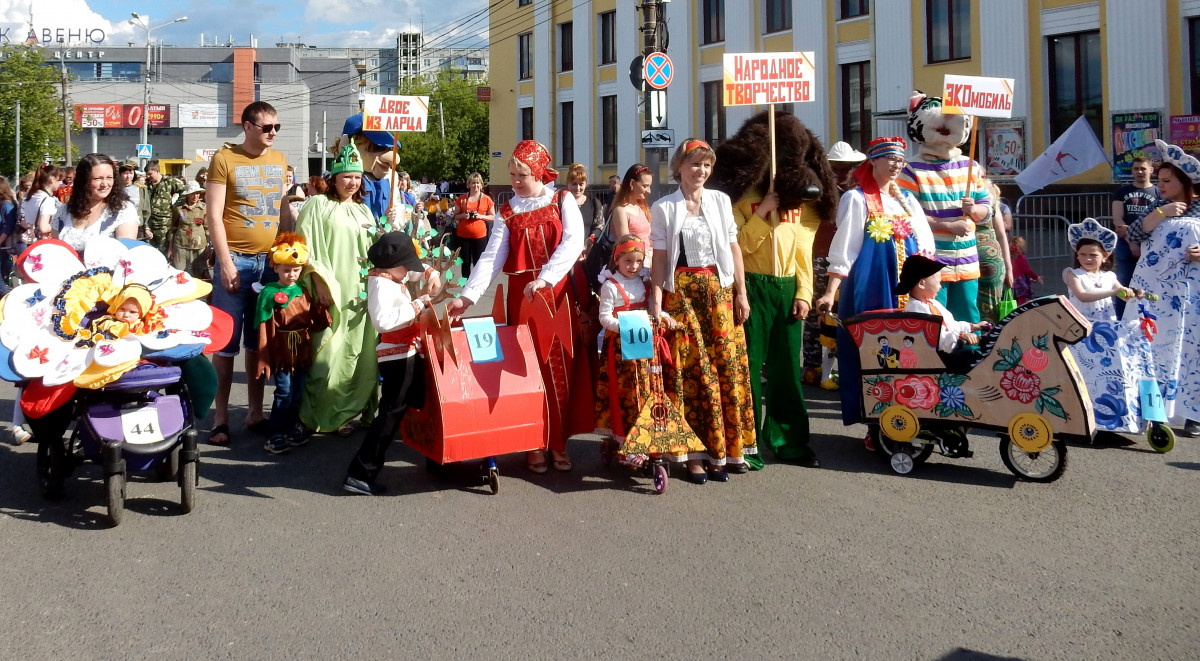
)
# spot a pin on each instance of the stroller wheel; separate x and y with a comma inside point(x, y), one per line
point(1160, 437)
point(494, 480)
point(114, 488)
point(188, 476)
point(51, 468)
point(168, 470)
point(661, 478)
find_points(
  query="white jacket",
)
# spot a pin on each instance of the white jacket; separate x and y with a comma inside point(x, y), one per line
point(666, 220)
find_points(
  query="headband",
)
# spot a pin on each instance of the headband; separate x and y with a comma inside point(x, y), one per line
point(694, 144)
point(1090, 229)
point(886, 147)
point(535, 157)
point(629, 245)
point(1180, 159)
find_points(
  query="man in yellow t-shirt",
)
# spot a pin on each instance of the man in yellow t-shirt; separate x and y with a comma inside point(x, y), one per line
point(243, 193)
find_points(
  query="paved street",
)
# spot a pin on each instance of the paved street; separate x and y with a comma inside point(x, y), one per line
point(958, 561)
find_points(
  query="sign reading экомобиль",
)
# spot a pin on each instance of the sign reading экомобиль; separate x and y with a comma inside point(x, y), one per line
point(762, 78)
point(395, 113)
point(978, 96)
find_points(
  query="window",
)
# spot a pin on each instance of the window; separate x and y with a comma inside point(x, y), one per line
point(779, 15)
point(608, 37)
point(712, 21)
point(713, 113)
point(856, 104)
point(525, 55)
point(374, 61)
point(1075, 81)
point(566, 47)
point(566, 111)
point(1194, 61)
point(608, 129)
point(527, 123)
point(947, 30)
point(854, 8)
point(522, 3)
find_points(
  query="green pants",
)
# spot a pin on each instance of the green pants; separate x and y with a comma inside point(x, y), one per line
point(161, 228)
point(776, 338)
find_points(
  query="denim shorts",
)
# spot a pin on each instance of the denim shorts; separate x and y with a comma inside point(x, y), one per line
point(241, 304)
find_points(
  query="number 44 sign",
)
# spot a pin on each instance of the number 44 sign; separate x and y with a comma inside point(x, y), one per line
point(482, 340)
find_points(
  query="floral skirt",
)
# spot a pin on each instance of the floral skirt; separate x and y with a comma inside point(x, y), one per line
point(710, 378)
point(991, 273)
point(622, 389)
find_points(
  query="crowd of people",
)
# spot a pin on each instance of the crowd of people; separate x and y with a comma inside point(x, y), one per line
point(325, 295)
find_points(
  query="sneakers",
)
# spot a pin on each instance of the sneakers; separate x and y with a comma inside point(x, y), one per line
point(1191, 429)
point(299, 436)
point(20, 436)
point(829, 384)
point(277, 444)
point(357, 486)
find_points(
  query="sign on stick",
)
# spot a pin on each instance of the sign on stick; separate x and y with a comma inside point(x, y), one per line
point(978, 96)
point(763, 78)
point(395, 113)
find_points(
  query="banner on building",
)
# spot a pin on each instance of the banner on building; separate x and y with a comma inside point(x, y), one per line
point(205, 154)
point(1133, 135)
point(977, 95)
point(763, 78)
point(120, 116)
point(203, 115)
point(1185, 132)
point(395, 113)
point(1004, 148)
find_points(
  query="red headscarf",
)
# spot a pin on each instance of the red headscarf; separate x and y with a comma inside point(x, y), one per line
point(537, 159)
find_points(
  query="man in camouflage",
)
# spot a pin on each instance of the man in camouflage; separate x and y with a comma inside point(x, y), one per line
point(161, 192)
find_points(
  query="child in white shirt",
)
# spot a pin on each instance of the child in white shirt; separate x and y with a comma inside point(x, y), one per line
point(921, 279)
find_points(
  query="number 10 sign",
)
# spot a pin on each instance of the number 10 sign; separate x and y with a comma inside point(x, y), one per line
point(483, 340)
point(636, 335)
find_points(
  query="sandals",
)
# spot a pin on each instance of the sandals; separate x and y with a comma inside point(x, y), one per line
point(536, 462)
point(219, 430)
point(562, 462)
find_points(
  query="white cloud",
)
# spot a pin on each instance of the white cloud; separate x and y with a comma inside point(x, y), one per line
point(72, 20)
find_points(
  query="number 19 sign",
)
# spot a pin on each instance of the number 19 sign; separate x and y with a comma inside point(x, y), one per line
point(395, 113)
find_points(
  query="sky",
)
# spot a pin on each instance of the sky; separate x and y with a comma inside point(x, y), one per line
point(336, 23)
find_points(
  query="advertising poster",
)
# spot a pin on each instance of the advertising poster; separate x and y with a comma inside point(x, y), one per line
point(202, 115)
point(1185, 132)
point(1133, 135)
point(120, 116)
point(1004, 149)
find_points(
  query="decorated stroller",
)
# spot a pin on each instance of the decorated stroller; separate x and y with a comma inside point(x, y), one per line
point(107, 339)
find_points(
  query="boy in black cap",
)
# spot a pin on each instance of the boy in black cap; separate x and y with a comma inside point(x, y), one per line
point(393, 312)
point(921, 279)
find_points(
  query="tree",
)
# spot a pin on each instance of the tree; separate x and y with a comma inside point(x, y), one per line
point(25, 75)
point(465, 147)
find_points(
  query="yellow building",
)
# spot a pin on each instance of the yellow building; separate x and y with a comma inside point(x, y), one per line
point(560, 70)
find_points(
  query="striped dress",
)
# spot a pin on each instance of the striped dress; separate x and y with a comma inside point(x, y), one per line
point(940, 187)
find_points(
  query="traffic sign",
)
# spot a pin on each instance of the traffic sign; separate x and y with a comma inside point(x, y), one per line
point(658, 109)
point(656, 138)
point(658, 71)
point(145, 151)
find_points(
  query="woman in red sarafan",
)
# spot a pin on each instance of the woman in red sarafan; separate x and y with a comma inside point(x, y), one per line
point(536, 243)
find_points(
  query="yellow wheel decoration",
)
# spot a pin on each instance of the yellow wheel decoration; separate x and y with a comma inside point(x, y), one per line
point(1030, 432)
point(899, 423)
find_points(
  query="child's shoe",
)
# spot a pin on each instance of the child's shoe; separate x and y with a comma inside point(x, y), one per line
point(277, 444)
point(357, 486)
point(299, 435)
point(829, 384)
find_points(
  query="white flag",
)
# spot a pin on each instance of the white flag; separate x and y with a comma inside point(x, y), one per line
point(1076, 151)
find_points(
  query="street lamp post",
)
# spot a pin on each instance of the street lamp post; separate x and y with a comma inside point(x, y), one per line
point(143, 22)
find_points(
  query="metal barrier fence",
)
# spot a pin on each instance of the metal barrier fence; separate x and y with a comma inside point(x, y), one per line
point(1047, 247)
point(1072, 206)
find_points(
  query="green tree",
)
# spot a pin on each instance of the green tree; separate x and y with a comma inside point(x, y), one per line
point(25, 75)
point(465, 147)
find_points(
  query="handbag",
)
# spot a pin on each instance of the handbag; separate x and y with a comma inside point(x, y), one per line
point(598, 256)
point(1007, 304)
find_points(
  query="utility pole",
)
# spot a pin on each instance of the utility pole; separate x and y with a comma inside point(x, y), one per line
point(17, 158)
point(324, 139)
point(62, 62)
point(143, 22)
point(650, 45)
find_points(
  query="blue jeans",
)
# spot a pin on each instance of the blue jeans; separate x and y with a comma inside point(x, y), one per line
point(285, 409)
point(1123, 265)
point(241, 304)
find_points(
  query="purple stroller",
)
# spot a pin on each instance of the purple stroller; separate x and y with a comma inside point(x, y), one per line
point(140, 422)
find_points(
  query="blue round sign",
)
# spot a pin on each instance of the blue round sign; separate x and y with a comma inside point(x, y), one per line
point(658, 71)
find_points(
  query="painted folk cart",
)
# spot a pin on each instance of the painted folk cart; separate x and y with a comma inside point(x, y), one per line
point(1024, 384)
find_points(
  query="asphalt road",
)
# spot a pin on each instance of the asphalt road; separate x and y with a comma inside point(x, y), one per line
point(957, 561)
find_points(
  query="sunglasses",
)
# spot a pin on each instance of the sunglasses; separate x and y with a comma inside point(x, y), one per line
point(267, 128)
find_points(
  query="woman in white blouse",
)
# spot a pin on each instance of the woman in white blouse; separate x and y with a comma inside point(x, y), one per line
point(536, 240)
point(698, 280)
point(97, 207)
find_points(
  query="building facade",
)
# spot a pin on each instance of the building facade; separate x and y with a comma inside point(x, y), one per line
point(1130, 66)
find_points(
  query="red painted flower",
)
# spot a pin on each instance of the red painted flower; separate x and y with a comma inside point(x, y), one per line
point(883, 391)
point(917, 392)
point(901, 228)
point(281, 298)
point(1021, 384)
point(1035, 359)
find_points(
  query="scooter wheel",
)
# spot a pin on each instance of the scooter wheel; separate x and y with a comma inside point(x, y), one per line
point(661, 479)
point(1160, 437)
point(494, 480)
point(902, 462)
